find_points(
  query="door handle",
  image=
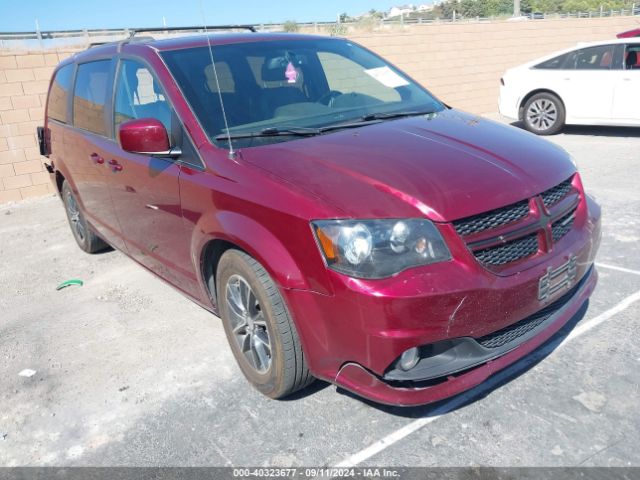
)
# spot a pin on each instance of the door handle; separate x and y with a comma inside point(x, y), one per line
point(115, 166)
point(97, 159)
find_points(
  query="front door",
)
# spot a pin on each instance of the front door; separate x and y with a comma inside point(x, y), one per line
point(626, 103)
point(146, 189)
point(589, 85)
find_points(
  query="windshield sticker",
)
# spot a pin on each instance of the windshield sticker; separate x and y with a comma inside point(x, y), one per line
point(387, 77)
point(291, 73)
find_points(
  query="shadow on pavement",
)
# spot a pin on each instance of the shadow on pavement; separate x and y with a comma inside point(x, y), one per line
point(593, 131)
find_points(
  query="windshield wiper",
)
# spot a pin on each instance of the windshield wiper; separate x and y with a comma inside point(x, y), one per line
point(389, 115)
point(273, 132)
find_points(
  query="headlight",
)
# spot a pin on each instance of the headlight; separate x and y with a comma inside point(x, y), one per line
point(379, 248)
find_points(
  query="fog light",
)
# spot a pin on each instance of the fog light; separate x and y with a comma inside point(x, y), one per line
point(409, 359)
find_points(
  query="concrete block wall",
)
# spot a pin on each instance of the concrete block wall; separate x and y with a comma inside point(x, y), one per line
point(24, 80)
point(461, 63)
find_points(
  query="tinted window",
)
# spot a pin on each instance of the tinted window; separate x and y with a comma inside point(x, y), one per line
point(90, 94)
point(59, 94)
point(555, 63)
point(632, 57)
point(139, 95)
point(594, 58)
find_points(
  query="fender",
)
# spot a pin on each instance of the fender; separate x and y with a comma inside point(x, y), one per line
point(253, 238)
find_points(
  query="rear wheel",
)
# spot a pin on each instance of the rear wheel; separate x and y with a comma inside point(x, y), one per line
point(85, 238)
point(260, 331)
point(544, 114)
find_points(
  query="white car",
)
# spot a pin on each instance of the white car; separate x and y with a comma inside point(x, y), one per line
point(591, 84)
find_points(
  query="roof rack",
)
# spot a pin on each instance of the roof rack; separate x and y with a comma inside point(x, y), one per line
point(134, 31)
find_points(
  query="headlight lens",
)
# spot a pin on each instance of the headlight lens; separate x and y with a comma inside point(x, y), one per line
point(379, 248)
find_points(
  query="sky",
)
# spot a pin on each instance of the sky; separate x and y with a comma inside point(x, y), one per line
point(20, 15)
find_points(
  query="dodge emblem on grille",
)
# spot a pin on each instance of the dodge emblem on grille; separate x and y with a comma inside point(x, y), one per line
point(557, 279)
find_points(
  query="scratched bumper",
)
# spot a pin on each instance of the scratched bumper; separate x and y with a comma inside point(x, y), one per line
point(355, 378)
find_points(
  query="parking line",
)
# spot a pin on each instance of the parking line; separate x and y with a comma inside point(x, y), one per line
point(493, 381)
point(620, 269)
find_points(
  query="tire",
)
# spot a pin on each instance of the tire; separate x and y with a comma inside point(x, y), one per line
point(85, 238)
point(251, 307)
point(543, 114)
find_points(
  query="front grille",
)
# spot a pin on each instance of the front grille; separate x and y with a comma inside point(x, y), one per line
point(561, 227)
point(509, 252)
point(554, 195)
point(492, 219)
point(518, 329)
point(527, 243)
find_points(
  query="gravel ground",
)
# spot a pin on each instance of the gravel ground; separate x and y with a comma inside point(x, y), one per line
point(129, 372)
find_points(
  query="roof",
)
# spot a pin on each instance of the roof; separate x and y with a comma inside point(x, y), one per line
point(630, 34)
point(178, 43)
point(191, 41)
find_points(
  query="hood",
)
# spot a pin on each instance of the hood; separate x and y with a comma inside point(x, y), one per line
point(443, 166)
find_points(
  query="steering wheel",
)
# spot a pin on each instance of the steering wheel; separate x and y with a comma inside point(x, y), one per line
point(329, 97)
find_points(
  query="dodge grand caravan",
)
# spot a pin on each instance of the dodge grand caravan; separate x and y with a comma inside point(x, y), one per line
point(343, 222)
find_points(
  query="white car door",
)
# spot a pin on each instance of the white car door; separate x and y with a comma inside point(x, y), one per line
point(589, 86)
point(626, 99)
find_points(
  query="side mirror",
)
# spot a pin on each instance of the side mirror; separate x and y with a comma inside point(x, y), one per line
point(146, 136)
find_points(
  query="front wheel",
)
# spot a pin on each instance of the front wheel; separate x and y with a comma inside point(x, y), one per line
point(262, 335)
point(544, 114)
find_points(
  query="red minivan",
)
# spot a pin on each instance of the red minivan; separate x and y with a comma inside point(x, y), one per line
point(343, 222)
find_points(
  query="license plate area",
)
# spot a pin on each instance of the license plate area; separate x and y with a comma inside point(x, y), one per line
point(556, 280)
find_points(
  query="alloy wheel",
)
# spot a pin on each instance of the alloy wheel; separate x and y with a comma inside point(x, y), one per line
point(542, 114)
point(74, 216)
point(248, 323)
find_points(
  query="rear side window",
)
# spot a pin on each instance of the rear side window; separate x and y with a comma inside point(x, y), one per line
point(594, 58)
point(89, 96)
point(556, 63)
point(59, 94)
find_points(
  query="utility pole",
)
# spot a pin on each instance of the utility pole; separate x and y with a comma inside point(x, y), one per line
point(516, 8)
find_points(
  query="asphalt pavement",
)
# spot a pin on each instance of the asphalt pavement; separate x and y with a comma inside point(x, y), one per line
point(126, 371)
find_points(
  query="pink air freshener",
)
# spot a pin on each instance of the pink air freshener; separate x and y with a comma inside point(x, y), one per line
point(291, 73)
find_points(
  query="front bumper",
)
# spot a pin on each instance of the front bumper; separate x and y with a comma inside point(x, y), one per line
point(354, 337)
point(357, 379)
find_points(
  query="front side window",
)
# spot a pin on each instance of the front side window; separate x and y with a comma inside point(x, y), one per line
point(139, 95)
point(594, 58)
point(285, 84)
point(59, 94)
point(632, 57)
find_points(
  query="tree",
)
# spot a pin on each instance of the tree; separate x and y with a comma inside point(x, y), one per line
point(290, 26)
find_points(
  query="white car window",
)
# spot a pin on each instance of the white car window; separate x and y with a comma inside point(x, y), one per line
point(632, 57)
point(557, 63)
point(594, 58)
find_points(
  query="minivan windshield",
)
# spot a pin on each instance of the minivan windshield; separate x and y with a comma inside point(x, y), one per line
point(280, 90)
